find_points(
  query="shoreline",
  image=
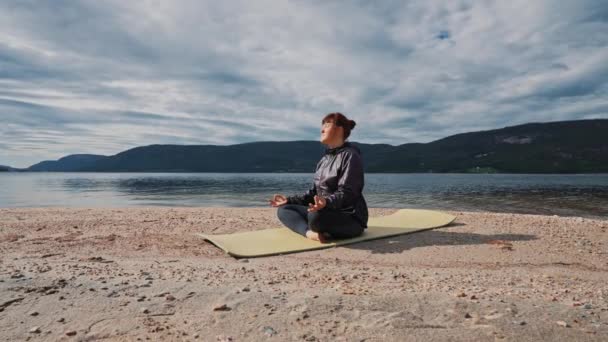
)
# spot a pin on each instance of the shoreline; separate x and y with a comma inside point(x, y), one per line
point(123, 273)
point(382, 210)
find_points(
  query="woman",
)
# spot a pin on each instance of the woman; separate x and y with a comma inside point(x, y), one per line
point(334, 206)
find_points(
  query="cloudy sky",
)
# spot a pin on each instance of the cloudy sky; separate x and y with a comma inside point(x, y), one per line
point(104, 76)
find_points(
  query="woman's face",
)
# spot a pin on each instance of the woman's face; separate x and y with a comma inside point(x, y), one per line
point(331, 134)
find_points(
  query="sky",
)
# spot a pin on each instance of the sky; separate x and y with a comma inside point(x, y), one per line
point(105, 76)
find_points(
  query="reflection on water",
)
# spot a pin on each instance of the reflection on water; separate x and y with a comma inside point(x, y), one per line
point(578, 195)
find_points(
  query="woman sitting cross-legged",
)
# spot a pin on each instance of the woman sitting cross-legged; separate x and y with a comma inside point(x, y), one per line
point(334, 207)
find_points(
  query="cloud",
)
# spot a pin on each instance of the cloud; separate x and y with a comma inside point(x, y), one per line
point(101, 77)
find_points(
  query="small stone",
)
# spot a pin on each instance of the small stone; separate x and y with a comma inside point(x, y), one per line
point(244, 260)
point(70, 332)
point(170, 298)
point(145, 311)
point(473, 297)
point(461, 294)
point(35, 330)
point(221, 307)
point(61, 320)
point(246, 289)
point(588, 306)
point(269, 331)
point(563, 324)
point(467, 315)
point(34, 313)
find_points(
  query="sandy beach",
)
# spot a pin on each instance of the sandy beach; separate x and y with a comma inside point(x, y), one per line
point(130, 274)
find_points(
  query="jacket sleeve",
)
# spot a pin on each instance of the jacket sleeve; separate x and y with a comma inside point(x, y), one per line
point(350, 183)
point(307, 197)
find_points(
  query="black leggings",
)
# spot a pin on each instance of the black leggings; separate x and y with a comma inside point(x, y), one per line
point(339, 225)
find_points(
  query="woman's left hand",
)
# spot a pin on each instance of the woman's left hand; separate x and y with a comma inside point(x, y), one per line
point(320, 203)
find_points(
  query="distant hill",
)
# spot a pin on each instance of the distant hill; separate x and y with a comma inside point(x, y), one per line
point(4, 168)
point(72, 162)
point(555, 147)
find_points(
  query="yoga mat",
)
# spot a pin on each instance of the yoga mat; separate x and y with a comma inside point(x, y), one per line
point(282, 240)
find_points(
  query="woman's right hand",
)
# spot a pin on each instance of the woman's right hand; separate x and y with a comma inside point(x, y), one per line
point(278, 200)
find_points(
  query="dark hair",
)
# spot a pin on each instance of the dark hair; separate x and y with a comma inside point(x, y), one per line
point(340, 120)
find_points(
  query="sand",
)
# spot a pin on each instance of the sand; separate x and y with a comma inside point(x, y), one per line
point(128, 274)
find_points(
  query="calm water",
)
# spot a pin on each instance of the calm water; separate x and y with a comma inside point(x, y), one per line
point(571, 195)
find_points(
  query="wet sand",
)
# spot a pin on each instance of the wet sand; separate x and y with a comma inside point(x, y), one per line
point(140, 274)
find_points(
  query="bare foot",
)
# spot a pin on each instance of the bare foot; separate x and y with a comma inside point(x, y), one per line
point(312, 235)
point(322, 238)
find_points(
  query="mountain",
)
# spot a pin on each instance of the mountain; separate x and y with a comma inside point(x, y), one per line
point(295, 156)
point(4, 168)
point(74, 162)
point(556, 147)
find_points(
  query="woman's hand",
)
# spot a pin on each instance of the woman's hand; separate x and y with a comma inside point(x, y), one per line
point(320, 203)
point(278, 200)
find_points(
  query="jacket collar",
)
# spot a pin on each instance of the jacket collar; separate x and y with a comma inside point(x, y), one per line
point(337, 149)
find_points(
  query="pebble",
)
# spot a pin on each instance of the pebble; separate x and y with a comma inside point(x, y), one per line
point(35, 330)
point(221, 307)
point(563, 324)
point(170, 297)
point(61, 320)
point(70, 333)
point(34, 313)
point(269, 331)
point(145, 311)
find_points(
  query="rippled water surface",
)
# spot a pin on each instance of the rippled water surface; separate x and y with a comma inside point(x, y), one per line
point(571, 195)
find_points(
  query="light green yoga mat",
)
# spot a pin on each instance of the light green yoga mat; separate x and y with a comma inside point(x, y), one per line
point(282, 240)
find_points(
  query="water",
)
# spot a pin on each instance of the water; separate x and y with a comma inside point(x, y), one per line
point(567, 195)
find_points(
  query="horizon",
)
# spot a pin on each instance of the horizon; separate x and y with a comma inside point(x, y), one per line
point(97, 78)
point(286, 141)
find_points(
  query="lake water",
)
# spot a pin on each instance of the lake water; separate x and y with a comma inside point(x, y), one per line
point(568, 195)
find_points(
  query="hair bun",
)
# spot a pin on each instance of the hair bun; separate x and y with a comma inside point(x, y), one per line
point(352, 124)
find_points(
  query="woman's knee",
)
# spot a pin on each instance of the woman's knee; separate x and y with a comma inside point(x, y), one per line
point(281, 210)
point(287, 209)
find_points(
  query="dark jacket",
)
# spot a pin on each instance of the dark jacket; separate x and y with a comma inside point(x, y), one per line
point(339, 178)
